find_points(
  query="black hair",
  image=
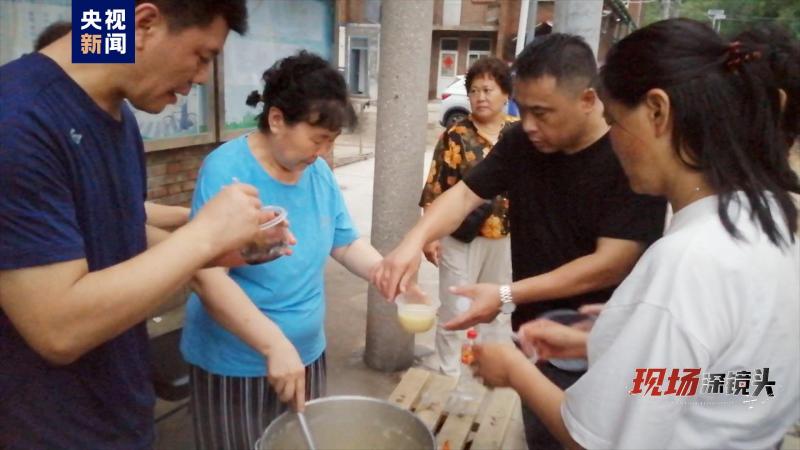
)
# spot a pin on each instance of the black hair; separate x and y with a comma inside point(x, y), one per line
point(782, 52)
point(306, 89)
point(182, 14)
point(495, 68)
point(565, 57)
point(725, 112)
point(52, 33)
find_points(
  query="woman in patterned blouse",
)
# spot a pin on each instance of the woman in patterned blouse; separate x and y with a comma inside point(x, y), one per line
point(487, 257)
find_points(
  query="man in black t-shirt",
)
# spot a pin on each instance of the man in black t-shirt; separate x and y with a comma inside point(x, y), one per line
point(577, 229)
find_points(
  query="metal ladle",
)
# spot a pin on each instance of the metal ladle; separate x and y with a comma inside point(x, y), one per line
point(306, 431)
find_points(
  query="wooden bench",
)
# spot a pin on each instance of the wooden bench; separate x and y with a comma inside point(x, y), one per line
point(496, 425)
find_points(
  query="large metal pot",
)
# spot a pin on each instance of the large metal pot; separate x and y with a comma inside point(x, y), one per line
point(349, 423)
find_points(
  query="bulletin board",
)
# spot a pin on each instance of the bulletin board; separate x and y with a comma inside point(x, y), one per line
point(277, 28)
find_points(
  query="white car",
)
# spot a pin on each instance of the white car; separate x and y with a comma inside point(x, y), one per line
point(455, 104)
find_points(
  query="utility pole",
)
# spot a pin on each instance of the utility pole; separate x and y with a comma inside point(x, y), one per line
point(580, 17)
point(406, 28)
point(528, 18)
point(670, 8)
point(522, 26)
point(533, 20)
point(665, 6)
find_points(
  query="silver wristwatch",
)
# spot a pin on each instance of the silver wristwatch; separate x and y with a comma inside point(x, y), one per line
point(507, 305)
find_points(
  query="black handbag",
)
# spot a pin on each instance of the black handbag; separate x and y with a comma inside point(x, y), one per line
point(471, 225)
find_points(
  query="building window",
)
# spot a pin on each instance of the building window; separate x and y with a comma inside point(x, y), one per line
point(478, 48)
point(283, 30)
point(449, 44)
point(448, 57)
point(357, 77)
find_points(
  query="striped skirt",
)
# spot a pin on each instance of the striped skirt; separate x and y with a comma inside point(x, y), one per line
point(231, 413)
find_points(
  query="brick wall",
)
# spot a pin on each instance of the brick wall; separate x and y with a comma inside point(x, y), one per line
point(355, 11)
point(438, 11)
point(171, 174)
point(474, 13)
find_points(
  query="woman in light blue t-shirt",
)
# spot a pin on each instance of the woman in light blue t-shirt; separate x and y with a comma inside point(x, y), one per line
point(254, 336)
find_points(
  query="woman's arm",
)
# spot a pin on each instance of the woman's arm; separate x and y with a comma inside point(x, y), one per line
point(503, 365)
point(359, 257)
point(230, 306)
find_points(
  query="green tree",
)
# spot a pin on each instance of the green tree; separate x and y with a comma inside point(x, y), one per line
point(740, 14)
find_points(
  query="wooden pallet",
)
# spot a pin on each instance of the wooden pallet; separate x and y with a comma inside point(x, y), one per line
point(496, 425)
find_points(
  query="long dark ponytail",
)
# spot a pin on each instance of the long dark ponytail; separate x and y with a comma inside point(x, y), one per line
point(726, 112)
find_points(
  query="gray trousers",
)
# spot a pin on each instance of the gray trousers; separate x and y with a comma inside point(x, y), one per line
point(481, 261)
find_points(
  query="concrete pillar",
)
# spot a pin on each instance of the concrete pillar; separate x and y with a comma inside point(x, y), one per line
point(665, 7)
point(532, 21)
point(406, 28)
point(580, 17)
point(522, 26)
point(670, 9)
point(528, 19)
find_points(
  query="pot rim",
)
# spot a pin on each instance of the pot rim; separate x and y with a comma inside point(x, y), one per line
point(347, 397)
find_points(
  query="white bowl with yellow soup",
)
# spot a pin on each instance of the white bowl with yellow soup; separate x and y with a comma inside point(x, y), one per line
point(416, 315)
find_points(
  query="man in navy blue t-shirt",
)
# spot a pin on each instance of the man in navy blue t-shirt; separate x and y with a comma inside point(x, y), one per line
point(77, 279)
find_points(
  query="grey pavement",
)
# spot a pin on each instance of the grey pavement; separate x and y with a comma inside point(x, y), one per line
point(359, 144)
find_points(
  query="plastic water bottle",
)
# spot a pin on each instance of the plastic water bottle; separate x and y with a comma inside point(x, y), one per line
point(468, 351)
point(465, 398)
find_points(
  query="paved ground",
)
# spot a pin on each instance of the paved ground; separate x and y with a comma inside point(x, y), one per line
point(360, 144)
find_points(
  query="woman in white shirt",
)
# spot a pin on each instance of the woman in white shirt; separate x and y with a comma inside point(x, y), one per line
point(700, 346)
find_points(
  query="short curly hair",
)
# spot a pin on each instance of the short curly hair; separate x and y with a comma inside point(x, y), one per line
point(493, 67)
point(306, 89)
